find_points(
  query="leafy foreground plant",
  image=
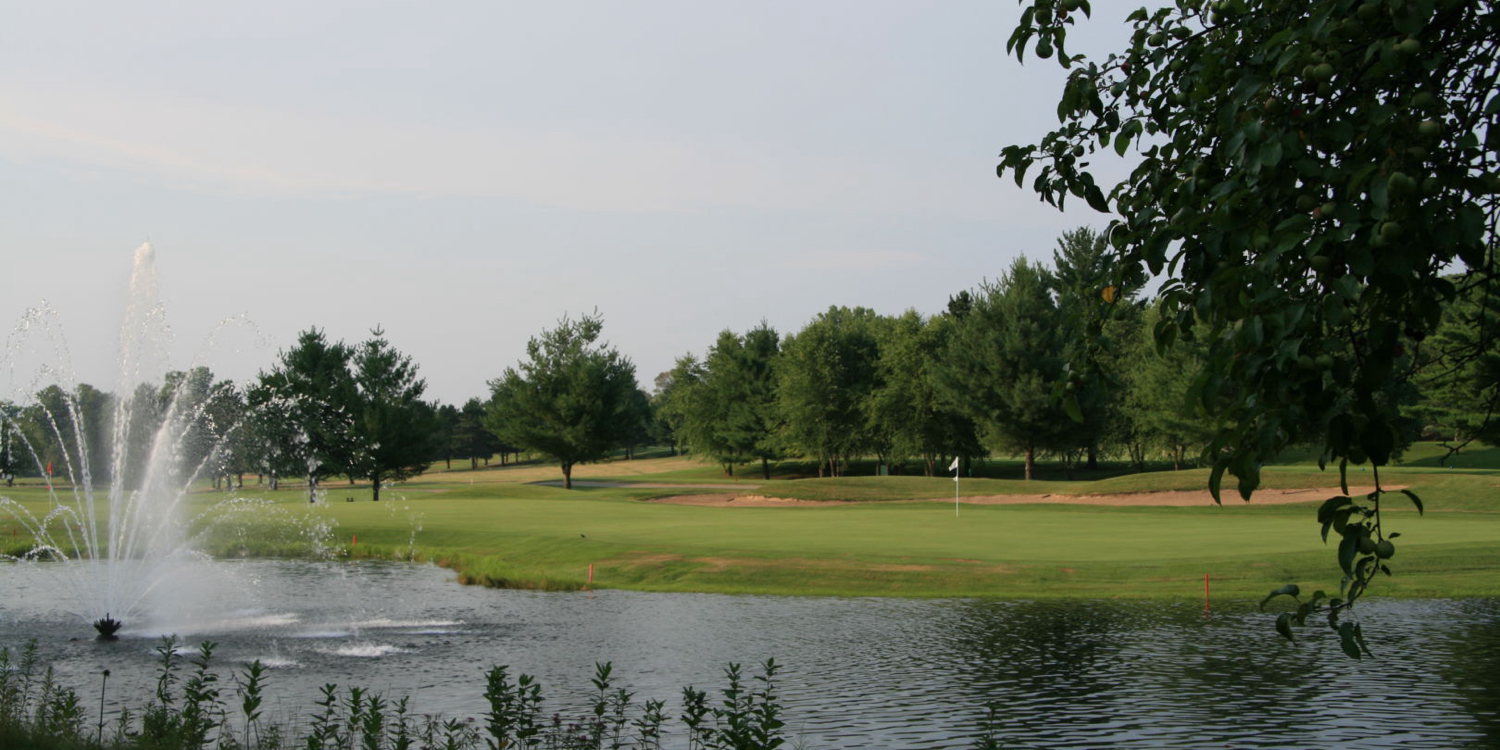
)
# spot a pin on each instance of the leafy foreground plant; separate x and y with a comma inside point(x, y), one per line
point(37, 713)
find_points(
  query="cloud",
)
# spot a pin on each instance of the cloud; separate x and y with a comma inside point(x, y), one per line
point(278, 151)
point(855, 260)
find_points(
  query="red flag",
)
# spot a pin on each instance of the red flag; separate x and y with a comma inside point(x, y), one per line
point(49, 468)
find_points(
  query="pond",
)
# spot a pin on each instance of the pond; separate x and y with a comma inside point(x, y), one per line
point(868, 673)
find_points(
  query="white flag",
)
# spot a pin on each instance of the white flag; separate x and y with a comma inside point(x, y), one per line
point(953, 466)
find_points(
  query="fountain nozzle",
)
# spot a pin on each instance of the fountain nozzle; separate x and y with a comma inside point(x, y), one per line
point(107, 627)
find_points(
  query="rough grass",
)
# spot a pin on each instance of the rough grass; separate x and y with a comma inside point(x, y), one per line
point(496, 528)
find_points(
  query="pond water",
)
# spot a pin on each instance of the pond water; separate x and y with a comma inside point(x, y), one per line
point(867, 673)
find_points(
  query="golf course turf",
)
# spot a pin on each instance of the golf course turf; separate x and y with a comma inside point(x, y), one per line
point(497, 526)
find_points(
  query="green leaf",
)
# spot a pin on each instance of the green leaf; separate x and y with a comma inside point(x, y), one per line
point(1291, 589)
point(1417, 501)
point(1380, 198)
point(1070, 405)
point(1359, 637)
point(1344, 475)
point(1249, 480)
point(1122, 142)
point(1378, 440)
point(1284, 626)
point(1069, 102)
point(1348, 548)
point(1215, 478)
point(1095, 199)
point(1325, 511)
point(1347, 640)
point(1270, 153)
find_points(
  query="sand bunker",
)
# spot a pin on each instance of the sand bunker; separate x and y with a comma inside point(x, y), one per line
point(1175, 498)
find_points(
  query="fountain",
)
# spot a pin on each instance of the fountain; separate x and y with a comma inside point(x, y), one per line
point(113, 542)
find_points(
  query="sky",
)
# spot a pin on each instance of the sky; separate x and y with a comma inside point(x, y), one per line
point(463, 174)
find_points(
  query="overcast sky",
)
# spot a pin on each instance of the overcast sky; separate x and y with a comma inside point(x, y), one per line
point(465, 173)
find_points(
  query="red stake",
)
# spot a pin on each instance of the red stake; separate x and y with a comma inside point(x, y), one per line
point(1205, 593)
point(591, 574)
point(353, 540)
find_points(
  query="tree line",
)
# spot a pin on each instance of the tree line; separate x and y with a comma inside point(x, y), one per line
point(1043, 362)
point(998, 372)
point(1056, 362)
point(323, 409)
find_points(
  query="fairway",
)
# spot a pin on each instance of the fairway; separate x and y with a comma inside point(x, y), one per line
point(497, 526)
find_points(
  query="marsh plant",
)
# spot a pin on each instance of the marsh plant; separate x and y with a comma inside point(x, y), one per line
point(31, 702)
point(194, 707)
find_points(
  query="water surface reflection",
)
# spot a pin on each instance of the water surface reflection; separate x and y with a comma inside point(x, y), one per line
point(869, 673)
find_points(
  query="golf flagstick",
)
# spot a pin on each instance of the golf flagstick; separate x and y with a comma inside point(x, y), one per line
point(953, 467)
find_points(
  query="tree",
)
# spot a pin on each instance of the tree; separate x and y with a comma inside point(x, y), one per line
point(445, 437)
point(824, 375)
point(640, 419)
point(475, 441)
point(906, 407)
point(1081, 280)
point(70, 431)
point(1459, 394)
point(731, 409)
point(314, 395)
point(202, 416)
point(1154, 399)
point(393, 426)
point(673, 400)
point(224, 414)
point(571, 399)
point(138, 421)
point(1001, 361)
point(1307, 175)
point(11, 445)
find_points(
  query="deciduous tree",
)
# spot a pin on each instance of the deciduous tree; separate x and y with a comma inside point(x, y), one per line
point(1307, 174)
point(571, 398)
point(907, 406)
point(825, 374)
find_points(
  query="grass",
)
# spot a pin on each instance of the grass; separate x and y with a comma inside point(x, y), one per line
point(495, 527)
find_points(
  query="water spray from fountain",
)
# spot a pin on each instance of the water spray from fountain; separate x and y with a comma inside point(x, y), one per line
point(116, 543)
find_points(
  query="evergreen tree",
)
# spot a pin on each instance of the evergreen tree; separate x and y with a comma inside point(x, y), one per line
point(475, 441)
point(639, 433)
point(313, 393)
point(1460, 375)
point(393, 426)
point(1005, 353)
point(445, 437)
point(1082, 278)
